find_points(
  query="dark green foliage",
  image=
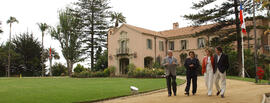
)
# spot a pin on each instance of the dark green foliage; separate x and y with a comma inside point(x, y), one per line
point(79, 68)
point(102, 61)
point(94, 14)
point(181, 70)
point(157, 65)
point(183, 57)
point(118, 18)
point(69, 35)
point(144, 72)
point(112, 70)
point(89, 74)
point(29, 48)
point(59, 69)
point(131, 68)
point(263, 62)
point(25, 56)
point(267, 73)
point(223, 15)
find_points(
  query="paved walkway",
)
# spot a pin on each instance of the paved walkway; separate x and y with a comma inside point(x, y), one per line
point(237, 92)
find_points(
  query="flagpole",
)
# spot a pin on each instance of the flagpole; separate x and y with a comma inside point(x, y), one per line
point(243, 26)
point(243, 57)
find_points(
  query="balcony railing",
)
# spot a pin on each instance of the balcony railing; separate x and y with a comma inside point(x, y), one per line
point(123, 51)
point(267, 48)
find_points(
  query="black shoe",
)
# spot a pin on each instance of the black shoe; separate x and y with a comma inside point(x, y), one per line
point(174, 94)
point(222, 96)
point(187, 94)
point(218, 93)
point(169, 95)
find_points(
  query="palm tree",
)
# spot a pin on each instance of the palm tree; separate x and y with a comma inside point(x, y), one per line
point(54, 55)
point(10, 21)
point(69, 37)
point(118, 18)
point(43, 27)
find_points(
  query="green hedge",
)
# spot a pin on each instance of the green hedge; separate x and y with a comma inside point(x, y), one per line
point(88, 74)
point(134, 72)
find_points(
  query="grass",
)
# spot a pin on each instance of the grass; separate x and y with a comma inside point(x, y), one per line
point(68, 90)
point(247, 79)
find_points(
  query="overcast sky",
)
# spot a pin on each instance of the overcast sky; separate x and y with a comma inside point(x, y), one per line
point(151, 14)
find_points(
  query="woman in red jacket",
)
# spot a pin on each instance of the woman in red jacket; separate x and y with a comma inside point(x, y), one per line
point(208, 71)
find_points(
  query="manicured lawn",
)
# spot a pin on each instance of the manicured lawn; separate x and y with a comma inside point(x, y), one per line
point(246, 79)
point(67, 90)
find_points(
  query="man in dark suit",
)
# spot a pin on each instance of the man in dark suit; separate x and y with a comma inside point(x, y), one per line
point(221, 62)
point(170, 64)
point(192, 64)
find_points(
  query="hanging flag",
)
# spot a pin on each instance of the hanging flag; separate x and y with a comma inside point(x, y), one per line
point(242, 20)
point(50, 53)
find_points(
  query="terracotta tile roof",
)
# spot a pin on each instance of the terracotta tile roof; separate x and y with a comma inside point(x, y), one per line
point(185, 30)
point(182, 31)
point(143, 30)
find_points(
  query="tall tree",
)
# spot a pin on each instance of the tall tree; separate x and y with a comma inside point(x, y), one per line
point(10, 21)
point(29, 49)
point(117, 18)
point(69, 36)
point(224, 14)
point(51, 54)
point(265, 6)
point(15, 61)
point(95, 14)
point(43, 27)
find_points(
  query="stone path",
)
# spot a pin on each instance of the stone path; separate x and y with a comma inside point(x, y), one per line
point(237, 92)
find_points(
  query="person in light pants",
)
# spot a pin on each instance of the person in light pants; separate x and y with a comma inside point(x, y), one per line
point(208, 70)
point(221, 64)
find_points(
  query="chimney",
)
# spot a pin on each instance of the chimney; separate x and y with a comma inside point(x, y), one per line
point(175, 25)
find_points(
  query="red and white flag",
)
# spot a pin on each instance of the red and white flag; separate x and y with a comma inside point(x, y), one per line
point(50, 53)
point(242, 20)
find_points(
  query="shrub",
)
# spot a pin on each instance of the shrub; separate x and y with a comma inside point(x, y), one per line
point(112, 70)
point(146, 73)
point(59, 69)
point(131, 69)
point(157, 65)
point(79, 68)
point(98, 74)
point(159, 71)
point(83, 74)
point(107, 72)
point(267, 73)
point(89, 74)
point(181, 70)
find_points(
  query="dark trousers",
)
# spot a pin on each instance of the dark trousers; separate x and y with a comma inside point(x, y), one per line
point(194, 83)
point(171, 82)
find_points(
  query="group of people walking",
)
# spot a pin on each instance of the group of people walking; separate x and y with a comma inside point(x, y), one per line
point(213, 68)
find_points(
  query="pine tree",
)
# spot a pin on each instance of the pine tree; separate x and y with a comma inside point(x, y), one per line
point(94, 14)
point(223, 15)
